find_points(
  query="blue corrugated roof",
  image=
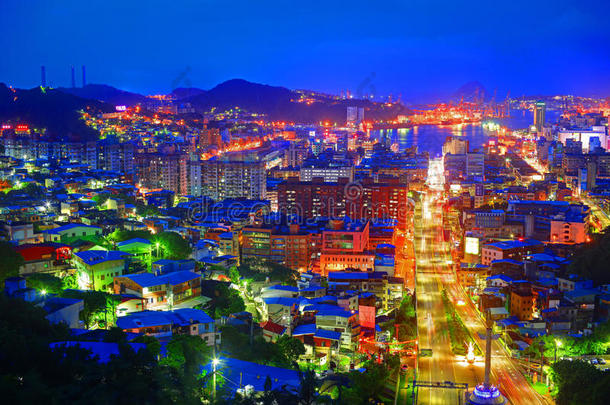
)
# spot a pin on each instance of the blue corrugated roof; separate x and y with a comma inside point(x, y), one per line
point(104, 351)
point(71, 226)
point(327, 334)
point(284, 288)
point(182, 316)
point(334, 312)
point(285, 301)
point(355, 275)
point(174, 278)
point(134, 240)
point(512, 244)
point(502, 277)
point(93, 257)
point(247, 373)
point(308, 329)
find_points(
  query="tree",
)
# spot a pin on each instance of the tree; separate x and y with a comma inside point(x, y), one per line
point(238, 345)
point(120, 235)
point(70, 281)
point(152, 344)
point(308, 387)
point(234, 275)
point(591, 261)
point(100, 199)
point(579, 382)
point(173, 245)
point(32, 372)
point(147, 210)
point(10, 262)
point(34, 190)
point(405, 319)
point(98, 307)
point(366, 387)
point(46, 283)
point(291, 348)
point(225, 301)
point(259, 270)
point(186, 354)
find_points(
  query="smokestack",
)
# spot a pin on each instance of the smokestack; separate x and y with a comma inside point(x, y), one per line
point(84, 77)
point(43, 76)
point(73, 78)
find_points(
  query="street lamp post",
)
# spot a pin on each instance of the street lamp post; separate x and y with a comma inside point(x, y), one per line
point(214, 364)
point(557, 344)
point(157, 244)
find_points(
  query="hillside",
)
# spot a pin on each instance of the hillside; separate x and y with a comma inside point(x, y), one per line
point(106, 94)
point(279, 103)
point(51, 109)
point(471, 91)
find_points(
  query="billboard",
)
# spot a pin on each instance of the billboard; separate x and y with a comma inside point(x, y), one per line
point(471, 245)
point(367, 316)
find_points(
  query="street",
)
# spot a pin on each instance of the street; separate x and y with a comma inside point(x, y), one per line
point(433, 275)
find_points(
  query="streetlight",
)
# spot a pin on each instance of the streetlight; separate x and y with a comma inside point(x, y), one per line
point(215, 363)
point(558, 343)
point(157, 244)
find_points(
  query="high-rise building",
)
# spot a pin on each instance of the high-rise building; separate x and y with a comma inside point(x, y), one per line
point(475, 166)
point(352, 115)
point(539, 115)
point(296, 153)
point(365, 199)
point(194, 178)
point(160, 170)
point(224, 178)
point(210, 137)
point(455, 146)
point(110, 155)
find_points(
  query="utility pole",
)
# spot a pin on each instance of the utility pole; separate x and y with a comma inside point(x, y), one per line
point(251, 329)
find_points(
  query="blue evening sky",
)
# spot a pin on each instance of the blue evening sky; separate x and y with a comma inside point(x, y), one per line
point(420, 48)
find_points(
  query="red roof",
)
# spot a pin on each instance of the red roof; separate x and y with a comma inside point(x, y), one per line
point(273, 327)
point(36, 251)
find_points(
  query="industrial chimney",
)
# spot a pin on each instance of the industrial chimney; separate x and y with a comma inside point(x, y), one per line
point(43, 76)
point(84, 77)
point(73, 78)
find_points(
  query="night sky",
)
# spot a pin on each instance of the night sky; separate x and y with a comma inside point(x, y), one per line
point(421, 48)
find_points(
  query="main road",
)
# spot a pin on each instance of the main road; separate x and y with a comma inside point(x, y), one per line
point(434, 273)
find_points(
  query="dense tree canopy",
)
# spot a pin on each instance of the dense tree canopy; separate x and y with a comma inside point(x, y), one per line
point(44, 282)
point(31, 372)
point(578, 382)
point(10, 261)
point(591, 261)
point(225, 300)
point(99, 307)
point(260, 270)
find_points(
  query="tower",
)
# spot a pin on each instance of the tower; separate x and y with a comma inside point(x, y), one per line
point(43, 76)
point(487, 394)
point(73, 79)
point(84, 77)
point(539, 115)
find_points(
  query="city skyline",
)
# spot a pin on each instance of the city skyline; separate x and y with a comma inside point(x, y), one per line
point(414, 50)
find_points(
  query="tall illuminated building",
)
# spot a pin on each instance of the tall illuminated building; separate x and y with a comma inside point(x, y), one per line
point(539, 115)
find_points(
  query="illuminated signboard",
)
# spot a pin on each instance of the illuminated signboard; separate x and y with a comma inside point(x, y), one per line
point(471, 245)
point(120, 108)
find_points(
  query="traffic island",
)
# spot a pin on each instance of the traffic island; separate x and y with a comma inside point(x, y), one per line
point(459, 334)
